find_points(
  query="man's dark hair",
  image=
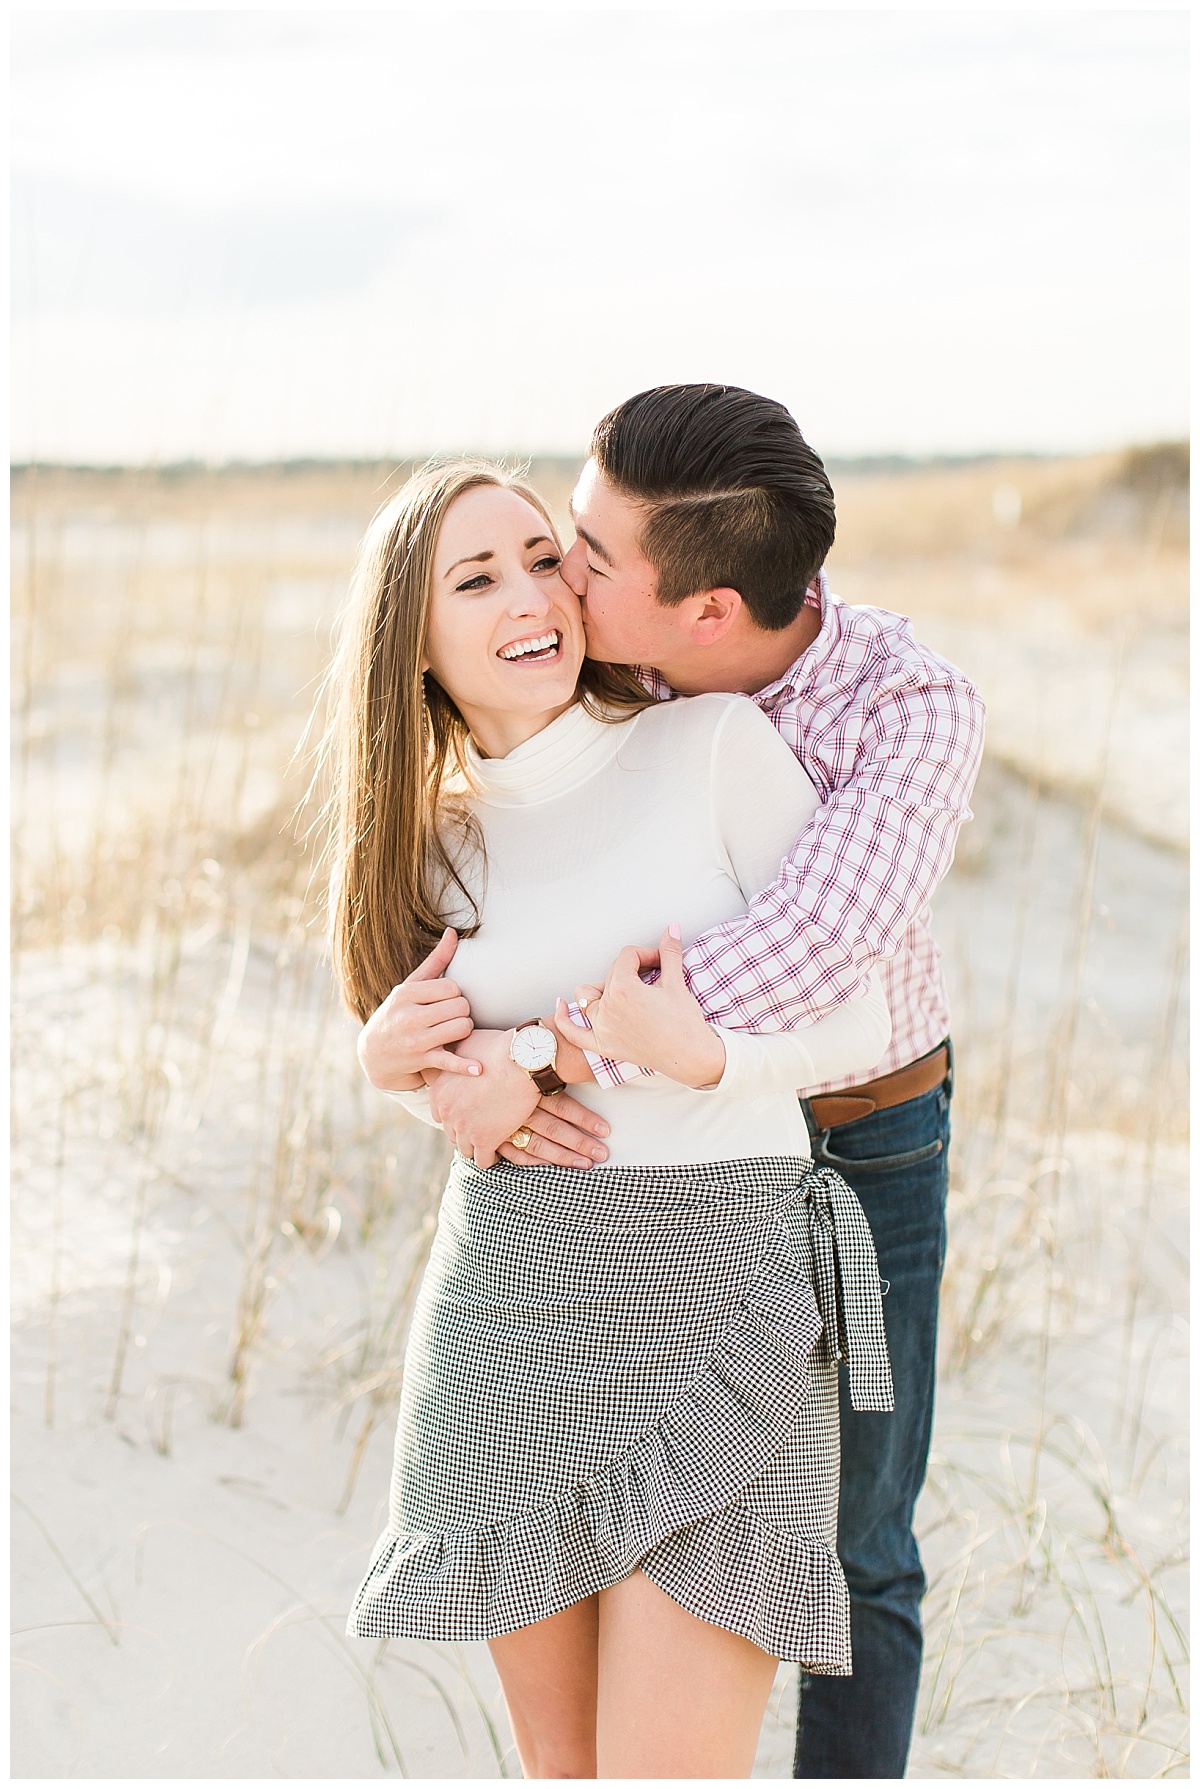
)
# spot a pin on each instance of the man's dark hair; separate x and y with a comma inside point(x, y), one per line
point(734, 494)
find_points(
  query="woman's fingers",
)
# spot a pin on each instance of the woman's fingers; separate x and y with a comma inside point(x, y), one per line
point(426, 993)
point(586, 992)
point(548, 1129)
point(429, 1028)
point(628, 965)
point(541, 1149)
point(437, 960)
point(570, 1032)
point(670, 954)
point(562, 1105)
point(454, 1065)
point(413, 1040)
point(453, 1031)
point(627, 962)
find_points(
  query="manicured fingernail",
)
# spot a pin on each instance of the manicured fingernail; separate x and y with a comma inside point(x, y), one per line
point(673, 928)
point(476, 1068)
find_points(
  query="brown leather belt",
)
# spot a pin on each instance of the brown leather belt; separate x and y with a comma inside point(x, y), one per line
point(922, 1076)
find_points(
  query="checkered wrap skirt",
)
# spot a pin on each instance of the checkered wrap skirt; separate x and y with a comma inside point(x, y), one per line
point(635, 1367)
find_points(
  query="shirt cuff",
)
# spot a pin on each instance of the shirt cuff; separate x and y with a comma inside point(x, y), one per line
point(416, 1103)
point(607, 1072)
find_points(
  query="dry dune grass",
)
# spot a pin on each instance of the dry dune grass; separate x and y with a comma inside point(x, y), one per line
point(179, 1059)
point(1064, 585)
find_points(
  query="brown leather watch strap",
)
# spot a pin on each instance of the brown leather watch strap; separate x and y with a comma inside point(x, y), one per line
point(546, 1080)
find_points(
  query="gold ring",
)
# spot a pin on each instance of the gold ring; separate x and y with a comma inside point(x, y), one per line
point(521, 1137)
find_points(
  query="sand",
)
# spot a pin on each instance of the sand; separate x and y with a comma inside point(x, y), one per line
point(216, 1224)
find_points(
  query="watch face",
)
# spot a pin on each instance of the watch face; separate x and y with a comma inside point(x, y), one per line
point(534, 1048)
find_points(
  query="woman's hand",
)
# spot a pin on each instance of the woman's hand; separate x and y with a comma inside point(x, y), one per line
point(480, 1116)
point(417, 1022)
point(659, 1026)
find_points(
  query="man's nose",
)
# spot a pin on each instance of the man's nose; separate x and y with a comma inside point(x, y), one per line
point(574, 569)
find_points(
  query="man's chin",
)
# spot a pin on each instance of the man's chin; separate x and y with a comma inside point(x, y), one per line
point(606, 651)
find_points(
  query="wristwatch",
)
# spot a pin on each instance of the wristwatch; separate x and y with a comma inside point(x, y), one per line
point(535, 1049)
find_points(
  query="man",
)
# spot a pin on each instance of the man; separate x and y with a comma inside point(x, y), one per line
point(703, 519)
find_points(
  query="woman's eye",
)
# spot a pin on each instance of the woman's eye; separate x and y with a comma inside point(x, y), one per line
point(548, 562)
point(479, 582)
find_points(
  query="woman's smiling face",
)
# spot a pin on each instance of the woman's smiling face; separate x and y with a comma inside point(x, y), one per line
point(505, 633)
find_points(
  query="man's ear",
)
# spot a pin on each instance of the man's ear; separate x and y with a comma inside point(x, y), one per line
point(716, 612)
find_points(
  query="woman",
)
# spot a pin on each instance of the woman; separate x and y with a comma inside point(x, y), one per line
point(616, 1457)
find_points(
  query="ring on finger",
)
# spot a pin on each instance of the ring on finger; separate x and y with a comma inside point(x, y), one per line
point(521, 1137)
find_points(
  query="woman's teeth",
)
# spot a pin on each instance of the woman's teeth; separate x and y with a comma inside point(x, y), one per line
point(543, 647)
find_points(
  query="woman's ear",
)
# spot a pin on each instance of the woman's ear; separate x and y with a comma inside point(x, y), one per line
point(716, 613)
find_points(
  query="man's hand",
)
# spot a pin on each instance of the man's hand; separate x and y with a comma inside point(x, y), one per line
point(659, 1026)
point(413, 1029)
point(479, 1116)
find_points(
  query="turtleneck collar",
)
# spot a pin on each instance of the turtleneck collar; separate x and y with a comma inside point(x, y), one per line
point(560, 758)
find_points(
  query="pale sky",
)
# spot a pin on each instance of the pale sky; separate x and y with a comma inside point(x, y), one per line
point(284, 233)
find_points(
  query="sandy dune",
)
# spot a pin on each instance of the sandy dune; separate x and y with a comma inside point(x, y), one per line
point(216, 1226)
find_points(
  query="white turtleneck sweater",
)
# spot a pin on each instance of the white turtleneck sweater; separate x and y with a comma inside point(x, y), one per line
point(597, 835)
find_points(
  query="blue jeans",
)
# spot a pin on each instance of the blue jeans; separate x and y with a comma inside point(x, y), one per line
point(860, 1726)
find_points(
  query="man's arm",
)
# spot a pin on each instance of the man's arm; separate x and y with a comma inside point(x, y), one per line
point(863, 868)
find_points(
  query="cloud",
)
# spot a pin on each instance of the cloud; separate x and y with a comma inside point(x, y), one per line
point(303, 232)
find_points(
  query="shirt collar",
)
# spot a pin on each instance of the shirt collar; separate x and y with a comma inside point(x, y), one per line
point(805, 668)
point(815, 654)
point(555, 761)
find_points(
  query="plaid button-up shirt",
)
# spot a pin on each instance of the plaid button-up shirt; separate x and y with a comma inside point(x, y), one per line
point(891, 735)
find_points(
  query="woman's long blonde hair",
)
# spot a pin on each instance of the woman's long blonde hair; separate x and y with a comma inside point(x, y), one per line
point(399, 835)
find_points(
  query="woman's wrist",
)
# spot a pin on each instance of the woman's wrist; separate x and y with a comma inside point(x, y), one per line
point(571, 1065)
point(706, 1064)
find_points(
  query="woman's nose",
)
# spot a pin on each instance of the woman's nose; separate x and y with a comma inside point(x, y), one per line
point(532, 596)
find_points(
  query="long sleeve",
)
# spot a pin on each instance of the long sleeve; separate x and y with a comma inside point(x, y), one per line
point(761, 800)
point(893, 735)
point(844, 1042)
point(416, 1102)
point(868, 862)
